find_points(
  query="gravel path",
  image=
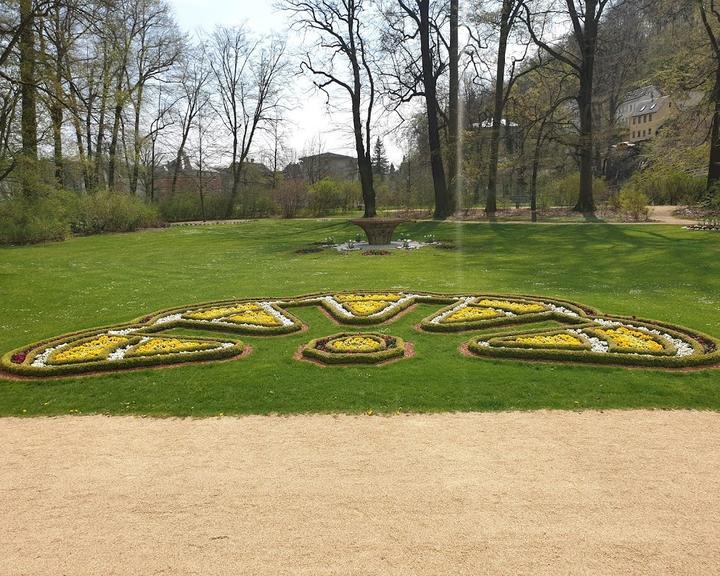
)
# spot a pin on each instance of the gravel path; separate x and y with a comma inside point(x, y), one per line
point(449, 494)
point(664, 215)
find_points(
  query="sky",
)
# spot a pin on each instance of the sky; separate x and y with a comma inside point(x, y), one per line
point(309, 119)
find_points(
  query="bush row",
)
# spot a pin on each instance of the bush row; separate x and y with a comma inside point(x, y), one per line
point(59, 214)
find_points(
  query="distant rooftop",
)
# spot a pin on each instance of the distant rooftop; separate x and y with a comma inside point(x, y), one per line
point(328, 155)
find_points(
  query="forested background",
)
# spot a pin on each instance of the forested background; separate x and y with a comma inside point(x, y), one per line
point(112, 118)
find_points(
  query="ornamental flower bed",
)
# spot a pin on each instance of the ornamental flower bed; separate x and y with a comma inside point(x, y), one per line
point(94, 349)
point(366, 307)
point(354, 348)
point(479, 312)
point(569, 332)
point(82, 353)
point(604, 341)
point(253, 318)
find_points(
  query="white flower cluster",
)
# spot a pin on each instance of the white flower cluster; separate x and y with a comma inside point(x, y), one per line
point(268, 307)
point(41, 359)
point(681, 347)
point(606, 323)
point(342, 311)
point(119, 354)
point(461, 304)
point(123, 332)
point(561, 310)
point(596, 344)
point(168, 319)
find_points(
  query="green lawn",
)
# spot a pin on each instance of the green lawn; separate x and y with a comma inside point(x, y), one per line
point(658, 272)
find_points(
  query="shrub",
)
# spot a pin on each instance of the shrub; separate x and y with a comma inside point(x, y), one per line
point(634, 203)
point(255, 205)
point(290, 195)
point(43, 219)
point(666, 185)
point(325, 197)
point(564, 191)
point(184, 206)
point(107, 211)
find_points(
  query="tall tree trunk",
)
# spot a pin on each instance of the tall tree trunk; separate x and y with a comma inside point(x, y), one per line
point(713, 176)
point(535, 168)
point(136, 142)
point(585, 202)
point(363, 160)
point(442, 202)
point(491, 199)
point(28, 101)
point(99, 176)
point(235, 170)
point(77, 125)
point(453, 116)
point(112, 151)
point(178, 160)
point(56, 106)
point(200, 170)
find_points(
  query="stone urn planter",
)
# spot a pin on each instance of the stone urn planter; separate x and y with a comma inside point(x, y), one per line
point(379, 231)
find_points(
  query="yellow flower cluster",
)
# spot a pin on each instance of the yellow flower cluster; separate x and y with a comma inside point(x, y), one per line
point(516, 307)
point(258, 317)
point(95, 349)
point(472, 313)
point(387, 296)
point(168, 346)
point(214, 313)
point(551, 340)
point(355, 344)
point(624, 337)
point(366, 307)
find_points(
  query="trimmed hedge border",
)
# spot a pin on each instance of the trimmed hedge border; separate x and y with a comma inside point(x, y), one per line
point(358, 320)
point(706, 348)
point(397, 350)
point(531, 346)
point(701, 356)
point(25, 368)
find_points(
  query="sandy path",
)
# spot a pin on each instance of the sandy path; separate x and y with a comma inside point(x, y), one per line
point(664, 215)
point(510, 493)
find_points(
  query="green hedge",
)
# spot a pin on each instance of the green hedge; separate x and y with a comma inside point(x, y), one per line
point(703, 356)
point(25, 369)
point(396, 351)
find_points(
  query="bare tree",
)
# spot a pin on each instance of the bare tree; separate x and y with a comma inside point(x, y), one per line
point(710, 15)
point(453, 100)
point(247, 75)
point(345, 63)
point(417, 51)
point(501, 24)
point(194, 97)
point(156, 50)
point(28, 96)
point(584, 17)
